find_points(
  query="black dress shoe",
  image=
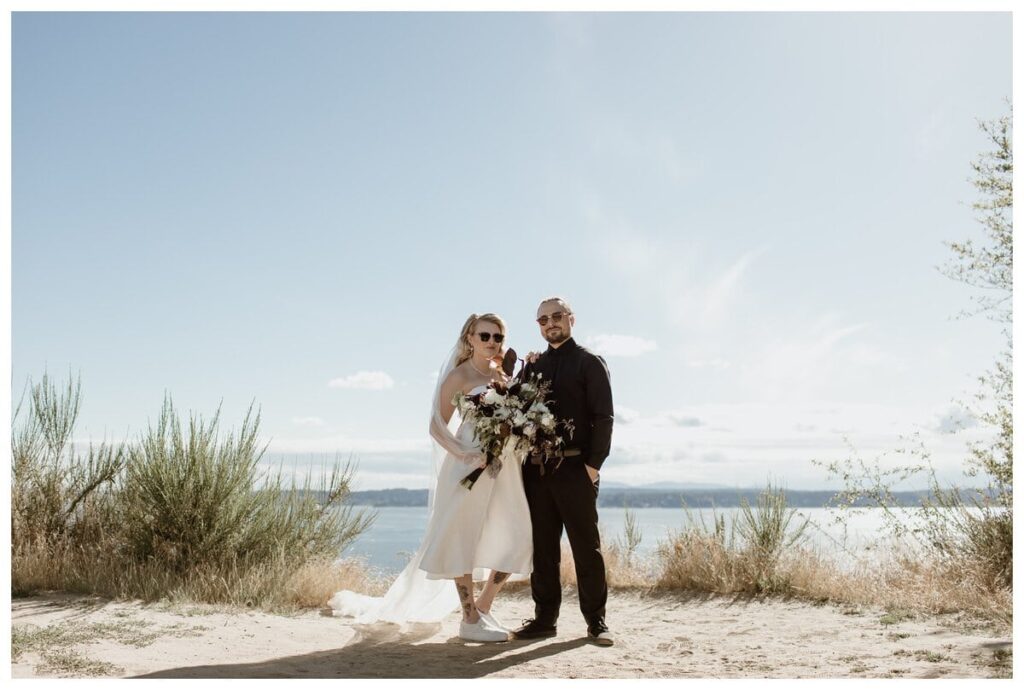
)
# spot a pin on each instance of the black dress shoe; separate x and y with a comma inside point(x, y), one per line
point(599, 635)
point(533, 628)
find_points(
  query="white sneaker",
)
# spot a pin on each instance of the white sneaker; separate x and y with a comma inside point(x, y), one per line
point(492, 621)
point(481, 632)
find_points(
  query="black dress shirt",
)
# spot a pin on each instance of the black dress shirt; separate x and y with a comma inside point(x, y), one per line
point(581, 391)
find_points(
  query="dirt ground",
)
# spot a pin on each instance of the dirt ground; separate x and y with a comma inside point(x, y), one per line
point(656, 636)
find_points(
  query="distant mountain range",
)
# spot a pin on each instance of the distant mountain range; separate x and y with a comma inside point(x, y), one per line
point(664, 486)
point(662, 495)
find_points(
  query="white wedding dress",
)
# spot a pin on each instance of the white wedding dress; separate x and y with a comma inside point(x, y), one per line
point(483, 528)
point(476, 531)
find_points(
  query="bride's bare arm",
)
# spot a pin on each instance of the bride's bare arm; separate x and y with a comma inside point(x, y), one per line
point(469, 454)
point(452, 385)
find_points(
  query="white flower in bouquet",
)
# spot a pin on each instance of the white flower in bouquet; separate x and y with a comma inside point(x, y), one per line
point(464, 405)
point(519, 419)
point(492, 397)
point(547, 421)
point(530, 429)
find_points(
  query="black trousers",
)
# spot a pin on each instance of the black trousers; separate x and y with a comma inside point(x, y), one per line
point(568, 497)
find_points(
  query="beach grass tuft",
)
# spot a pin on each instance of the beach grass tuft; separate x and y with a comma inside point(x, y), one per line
point(185, 515)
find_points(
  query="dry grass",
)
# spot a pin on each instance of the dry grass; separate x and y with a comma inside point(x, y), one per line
point(276, 585)
point(55, 643)
point(693, 561)
point(707, 560)
point(178, 515)
point(907, 581)
point(311, 585)
point(624, 569)
point(68, 662)
point(759, 553)
point(130, 631)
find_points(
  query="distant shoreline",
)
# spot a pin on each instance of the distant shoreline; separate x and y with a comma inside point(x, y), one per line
point(618, 497)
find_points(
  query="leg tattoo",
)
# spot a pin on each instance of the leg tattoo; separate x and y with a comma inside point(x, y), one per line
point(465, 598)
point(491, 589)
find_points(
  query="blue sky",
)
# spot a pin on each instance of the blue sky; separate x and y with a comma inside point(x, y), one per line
point(746, 212)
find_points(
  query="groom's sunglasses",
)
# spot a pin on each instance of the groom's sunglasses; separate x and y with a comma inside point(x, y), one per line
point(484, 337)
point(556, 317)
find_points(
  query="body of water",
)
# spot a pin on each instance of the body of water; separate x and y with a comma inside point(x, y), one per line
point(397, 531)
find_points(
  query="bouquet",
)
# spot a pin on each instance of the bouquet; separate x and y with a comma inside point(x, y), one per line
point(510, 416)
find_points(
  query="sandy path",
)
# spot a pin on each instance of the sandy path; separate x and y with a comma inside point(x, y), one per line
point(660, 636)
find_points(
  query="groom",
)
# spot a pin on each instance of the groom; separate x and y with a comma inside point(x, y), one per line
point(562, 489)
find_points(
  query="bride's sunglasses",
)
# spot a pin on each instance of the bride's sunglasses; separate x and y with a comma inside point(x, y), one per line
point(485, 337)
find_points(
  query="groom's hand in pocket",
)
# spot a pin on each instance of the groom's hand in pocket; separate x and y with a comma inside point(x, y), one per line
point(592, 473)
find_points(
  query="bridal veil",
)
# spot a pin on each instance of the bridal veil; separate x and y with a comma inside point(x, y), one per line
point(414, 596)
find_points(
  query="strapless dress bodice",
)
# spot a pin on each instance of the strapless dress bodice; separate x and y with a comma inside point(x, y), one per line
point(465, 432)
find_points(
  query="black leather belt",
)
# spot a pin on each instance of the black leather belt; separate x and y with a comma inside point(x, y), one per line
point(542, 459)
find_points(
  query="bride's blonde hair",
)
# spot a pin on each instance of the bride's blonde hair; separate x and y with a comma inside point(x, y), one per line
point(469, 329)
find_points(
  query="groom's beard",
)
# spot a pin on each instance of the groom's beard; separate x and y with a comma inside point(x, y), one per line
point(556, 337)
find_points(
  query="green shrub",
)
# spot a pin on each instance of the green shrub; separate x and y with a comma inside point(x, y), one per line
point(185, 515)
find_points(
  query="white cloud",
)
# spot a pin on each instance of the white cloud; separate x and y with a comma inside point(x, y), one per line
point(800, 363)
point(364, 380)
point(722, 290)
point(682, 419)
point(307, 421)
point(371, 470)
point(953, 420)
point(611, 345)
point(690, 444)
point(347, 444)
point(625, 415)
point(714, 363)
point(679, 274)
point(695, 300)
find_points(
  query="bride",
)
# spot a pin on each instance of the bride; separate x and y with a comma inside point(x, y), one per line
point(478, 534)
